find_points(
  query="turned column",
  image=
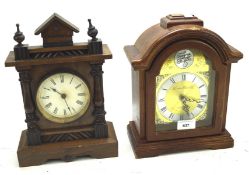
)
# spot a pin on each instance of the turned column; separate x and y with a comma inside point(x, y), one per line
point(33, 131)
point(101, 129)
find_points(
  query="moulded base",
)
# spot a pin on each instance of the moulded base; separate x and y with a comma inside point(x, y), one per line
point(67, 151)
point(143, 148)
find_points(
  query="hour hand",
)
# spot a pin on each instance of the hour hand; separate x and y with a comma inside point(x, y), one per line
point(185, 107)
point(55, 90)
point(189, 99)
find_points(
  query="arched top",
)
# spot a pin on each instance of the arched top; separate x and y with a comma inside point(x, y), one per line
point(156, 38)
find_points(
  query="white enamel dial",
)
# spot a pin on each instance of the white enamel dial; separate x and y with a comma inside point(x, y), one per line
point(63, 97)
point(182, 96)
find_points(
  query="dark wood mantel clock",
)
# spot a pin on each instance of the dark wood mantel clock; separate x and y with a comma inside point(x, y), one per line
point(180, 82)
point(62, 90)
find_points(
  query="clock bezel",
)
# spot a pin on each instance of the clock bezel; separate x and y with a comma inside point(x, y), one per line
point(219, 104)
point(158, 111)
point(56, 71)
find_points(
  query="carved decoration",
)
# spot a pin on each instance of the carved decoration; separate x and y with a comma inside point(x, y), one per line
point(33, 133)
point(19, 37)
point(95, 44)
point(21, 50)
point(99, 111)
point(55, 54)
point(67, 136)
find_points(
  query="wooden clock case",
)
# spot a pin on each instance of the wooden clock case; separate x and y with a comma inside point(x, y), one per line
point(176, 32)
point(89, 135)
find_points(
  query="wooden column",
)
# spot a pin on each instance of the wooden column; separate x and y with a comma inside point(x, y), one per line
point(101, 129)
point(33, 132)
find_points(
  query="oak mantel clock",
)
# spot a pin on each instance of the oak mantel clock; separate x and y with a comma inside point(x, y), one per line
point(62, 90)
point(180, 82)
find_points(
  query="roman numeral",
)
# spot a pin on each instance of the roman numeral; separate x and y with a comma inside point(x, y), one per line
point(62, 78)
point(193, 79)
point(203, 96)
point(46, 89)
point(71, 80)
point(201, 86)
point(183, 77)
point(73, 109)
point(171, 116)
point(172, 80)
point(79, 102)
point(192, 114)
point(48, 105)
point(161, 100)
point(65, 112)
point(164, 109)
point(52, 81)
point(78, 86)
point(55, 110)
point(81, 94)
point(45, 97)
point(200, 106)
point(181, 117)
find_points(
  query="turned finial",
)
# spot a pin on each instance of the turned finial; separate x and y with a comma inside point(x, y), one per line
point(92, 31)
point(19, 37)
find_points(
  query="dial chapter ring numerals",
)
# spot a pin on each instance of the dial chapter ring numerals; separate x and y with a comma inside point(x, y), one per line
point(63, 97)
point(182, 96)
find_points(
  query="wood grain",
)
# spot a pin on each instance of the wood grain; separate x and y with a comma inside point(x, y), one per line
point(143, 148)
point(147, 55)
point(10, 60)
point(95, 148)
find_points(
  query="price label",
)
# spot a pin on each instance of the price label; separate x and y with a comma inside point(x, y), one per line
point(186, 124)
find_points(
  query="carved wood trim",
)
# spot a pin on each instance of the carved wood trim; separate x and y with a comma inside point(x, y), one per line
point(55, 54)
point(33, 132)
point(67, 136)
point(98, 100)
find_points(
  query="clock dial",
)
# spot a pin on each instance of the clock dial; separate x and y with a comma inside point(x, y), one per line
point(184, 90)
point(63, 97)
point(182, 96)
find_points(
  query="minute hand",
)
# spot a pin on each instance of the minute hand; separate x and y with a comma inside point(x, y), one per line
point(193, 100)
point(67, 105)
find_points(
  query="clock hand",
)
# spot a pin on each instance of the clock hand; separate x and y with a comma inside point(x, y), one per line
point(56, 91)
point(192, 100)
point(63, 96)
point(67, 105)
point(185, 107)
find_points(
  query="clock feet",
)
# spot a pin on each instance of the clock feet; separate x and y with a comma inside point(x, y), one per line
point(143, 148)
point(95, 148)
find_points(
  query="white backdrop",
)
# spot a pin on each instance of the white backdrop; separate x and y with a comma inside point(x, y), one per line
point(120, 23)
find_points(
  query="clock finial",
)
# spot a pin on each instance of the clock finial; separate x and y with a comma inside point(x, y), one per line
point(19, 37)
point(92, 31)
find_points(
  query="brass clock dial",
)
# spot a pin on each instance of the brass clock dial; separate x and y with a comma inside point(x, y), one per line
point(184, 89)
point(63, 97)
point(182, 96)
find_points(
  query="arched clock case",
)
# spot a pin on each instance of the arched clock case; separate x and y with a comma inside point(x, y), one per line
point(180, 84)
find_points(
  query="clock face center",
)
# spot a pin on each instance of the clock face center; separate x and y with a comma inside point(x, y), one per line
point(63, 96)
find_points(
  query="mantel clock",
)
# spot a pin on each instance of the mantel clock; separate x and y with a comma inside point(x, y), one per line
point(180, 82)
point(62, 88)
